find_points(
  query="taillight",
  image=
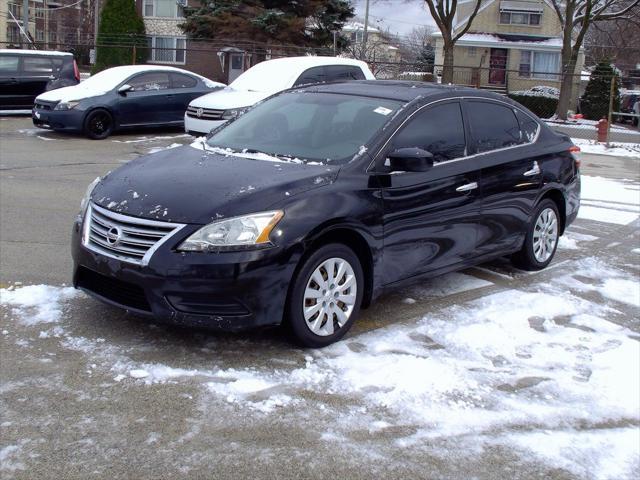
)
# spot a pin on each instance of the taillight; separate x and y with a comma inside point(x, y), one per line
point(574, 150)
point(76, 72)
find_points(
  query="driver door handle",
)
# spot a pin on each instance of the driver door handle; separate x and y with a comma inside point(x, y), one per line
point(467, 187)
point(535, 170)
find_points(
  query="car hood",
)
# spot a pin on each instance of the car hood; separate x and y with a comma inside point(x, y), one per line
point(187, 185)
point(228, 98)
point(75, 92)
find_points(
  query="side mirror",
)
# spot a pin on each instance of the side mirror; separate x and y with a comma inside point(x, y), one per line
point(124, 89)
point(410, 160)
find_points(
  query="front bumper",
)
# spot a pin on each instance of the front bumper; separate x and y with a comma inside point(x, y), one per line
point(197, 125)
point(66, 120)
point(229, 291)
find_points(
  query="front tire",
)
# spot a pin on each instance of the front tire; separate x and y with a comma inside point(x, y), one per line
point(99, 124)
point(326, 296)
point(542, 238)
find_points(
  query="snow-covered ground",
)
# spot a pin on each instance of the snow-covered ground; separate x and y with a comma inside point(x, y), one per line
point(618, 149)
point(540, 369)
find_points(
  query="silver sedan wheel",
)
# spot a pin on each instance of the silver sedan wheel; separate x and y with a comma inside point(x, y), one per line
point(330, 296)
point(545, 235)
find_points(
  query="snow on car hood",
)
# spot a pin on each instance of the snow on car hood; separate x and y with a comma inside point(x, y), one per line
point(228, 98)
point(187, 185)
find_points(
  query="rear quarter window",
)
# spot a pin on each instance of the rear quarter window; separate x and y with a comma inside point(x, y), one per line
point(311, 75)
point(528, 126)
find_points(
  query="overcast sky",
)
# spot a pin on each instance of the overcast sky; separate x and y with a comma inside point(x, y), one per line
point(401, 16)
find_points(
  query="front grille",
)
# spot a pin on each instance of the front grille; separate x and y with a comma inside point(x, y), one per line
point(43, 106)
point(122, 293)
point(205, 113)
point(126, 238)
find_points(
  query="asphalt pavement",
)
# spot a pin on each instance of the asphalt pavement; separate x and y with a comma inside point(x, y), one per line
point(95, 393)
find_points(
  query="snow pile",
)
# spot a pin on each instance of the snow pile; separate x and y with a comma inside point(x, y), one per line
point(37, 304)
point(609, 201)
point(617, 149)
point(539, 91)
point(159, 149)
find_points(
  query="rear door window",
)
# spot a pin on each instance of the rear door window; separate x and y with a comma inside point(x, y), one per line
point(179, 80)
point(438, 129)
point(493, 126)
point(343, 72)
point(9, 64)
point(311, 75)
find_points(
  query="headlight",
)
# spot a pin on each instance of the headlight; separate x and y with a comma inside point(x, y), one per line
point(66, 105)
point(87, 196)
point(233, 113)
point(242, 231)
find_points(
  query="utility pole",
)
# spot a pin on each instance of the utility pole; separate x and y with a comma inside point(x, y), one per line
point(25, 20)
point(96, 21)
point(335, 43)
point(366, 27)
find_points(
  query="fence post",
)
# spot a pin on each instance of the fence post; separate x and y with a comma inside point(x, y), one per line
point(611, 94)
point(133, 60)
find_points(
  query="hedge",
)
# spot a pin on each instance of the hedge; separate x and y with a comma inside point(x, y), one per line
point(542, 106)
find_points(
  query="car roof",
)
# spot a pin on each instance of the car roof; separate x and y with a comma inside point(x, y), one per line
point(308, 61)
point(51, 53)
point(402, 90)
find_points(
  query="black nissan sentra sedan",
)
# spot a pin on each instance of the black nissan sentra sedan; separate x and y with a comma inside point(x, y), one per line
point(307, 207)
point(131, 96)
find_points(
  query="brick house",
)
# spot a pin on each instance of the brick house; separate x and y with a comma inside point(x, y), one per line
point(511, 45)
point(169, 45)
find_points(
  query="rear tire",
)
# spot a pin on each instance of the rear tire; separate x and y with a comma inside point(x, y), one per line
point(326, 296)
point(99, 124)
point(542, 238)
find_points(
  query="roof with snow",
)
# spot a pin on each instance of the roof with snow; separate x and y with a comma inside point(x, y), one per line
point(356, 26)
point(509, 40)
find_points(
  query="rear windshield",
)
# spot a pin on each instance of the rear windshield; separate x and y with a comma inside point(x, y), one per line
point(310, 127)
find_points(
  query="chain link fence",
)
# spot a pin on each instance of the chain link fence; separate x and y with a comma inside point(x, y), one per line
point(538, 91)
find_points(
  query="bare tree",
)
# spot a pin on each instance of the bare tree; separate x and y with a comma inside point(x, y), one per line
point(617, 40)
point(444, 13)
point(416, 40)
point(576, 16)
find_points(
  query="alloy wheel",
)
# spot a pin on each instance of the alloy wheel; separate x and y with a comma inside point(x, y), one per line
point(545, 235)
point(330, 296)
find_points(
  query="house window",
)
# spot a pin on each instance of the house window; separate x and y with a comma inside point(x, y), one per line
point(13, 34)
point(40, 35)
point(162, 8)
point(519, 18)
point(357, 36)
point(472, 51)
point(542, 65)
point(168, 50)
point(15, 10)
point(53, 37)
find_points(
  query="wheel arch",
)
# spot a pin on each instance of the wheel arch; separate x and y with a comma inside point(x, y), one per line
point(558, 198)
point(348, 235)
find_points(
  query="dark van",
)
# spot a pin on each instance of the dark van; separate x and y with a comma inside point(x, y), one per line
point(25, 74)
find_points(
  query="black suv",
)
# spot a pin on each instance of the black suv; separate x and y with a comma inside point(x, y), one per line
point(25, 74)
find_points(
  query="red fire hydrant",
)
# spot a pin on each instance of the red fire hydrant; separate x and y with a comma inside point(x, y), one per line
point(603, 128)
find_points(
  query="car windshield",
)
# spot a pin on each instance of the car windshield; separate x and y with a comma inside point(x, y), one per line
point(310, 127)
point(271, 76)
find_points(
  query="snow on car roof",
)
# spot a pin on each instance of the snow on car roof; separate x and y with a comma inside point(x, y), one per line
point(33, 52)
point(279, 73)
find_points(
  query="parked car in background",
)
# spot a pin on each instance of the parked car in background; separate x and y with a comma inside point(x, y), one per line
point(265, 79)
point(629, 99)
point(122, 97)
point(315, 201)
point(25, 74)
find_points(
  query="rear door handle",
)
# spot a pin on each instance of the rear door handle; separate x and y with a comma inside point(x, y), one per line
point(467, 187)
point(535, 170)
